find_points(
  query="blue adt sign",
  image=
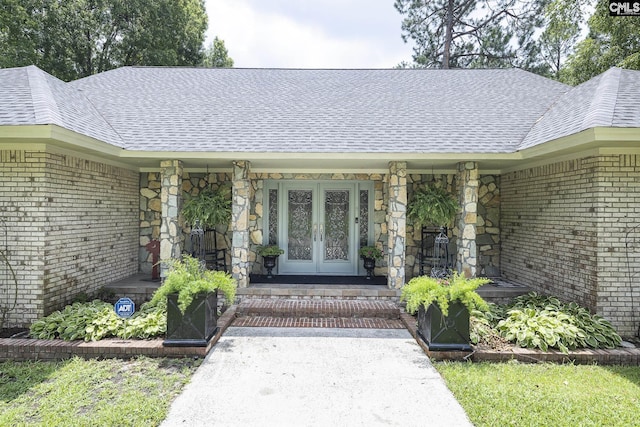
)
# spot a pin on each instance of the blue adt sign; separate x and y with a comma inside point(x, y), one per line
point(124, 307)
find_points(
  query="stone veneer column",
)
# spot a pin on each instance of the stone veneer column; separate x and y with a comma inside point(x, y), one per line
point(396, 223)
point(171, 200)
point(468, 198)
point(240, 222)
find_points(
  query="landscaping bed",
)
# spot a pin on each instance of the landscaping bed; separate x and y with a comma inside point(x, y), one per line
point(535, 328)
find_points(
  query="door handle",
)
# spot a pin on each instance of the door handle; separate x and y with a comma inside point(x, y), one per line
point(321, 232)
point(315, 231)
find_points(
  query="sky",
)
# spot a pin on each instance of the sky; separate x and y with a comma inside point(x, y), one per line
point(309, 33)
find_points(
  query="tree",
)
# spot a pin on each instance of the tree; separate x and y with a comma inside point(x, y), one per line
point(76, 38)
point(561, 30)
point(470, 33)
point(613, 41)
point(216, 55)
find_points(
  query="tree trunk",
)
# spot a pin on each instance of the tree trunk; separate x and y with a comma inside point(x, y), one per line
point(447, 37)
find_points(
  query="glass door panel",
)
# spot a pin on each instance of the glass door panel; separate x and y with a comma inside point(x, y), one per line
point(300, 225)
point(318, 228)
point(336, 221)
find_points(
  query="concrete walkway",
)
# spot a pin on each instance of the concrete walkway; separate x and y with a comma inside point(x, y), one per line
point(316, 377)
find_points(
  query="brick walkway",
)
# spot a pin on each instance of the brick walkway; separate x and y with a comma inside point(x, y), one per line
point(319, 313)
point(318, 322)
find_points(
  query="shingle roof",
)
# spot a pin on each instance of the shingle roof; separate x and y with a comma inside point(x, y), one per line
point(29, 96)
point(304, 111)
point(611, 99)
point(277, 110)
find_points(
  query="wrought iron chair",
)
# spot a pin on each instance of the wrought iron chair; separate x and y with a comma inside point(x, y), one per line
point(205, 245)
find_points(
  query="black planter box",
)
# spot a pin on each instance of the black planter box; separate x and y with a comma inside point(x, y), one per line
point(196, 326)
point(445, 333)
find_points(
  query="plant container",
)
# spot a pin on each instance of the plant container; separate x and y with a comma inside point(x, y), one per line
point(369, 265)
point(196, 326)
point(445, 333)
point(269, 264)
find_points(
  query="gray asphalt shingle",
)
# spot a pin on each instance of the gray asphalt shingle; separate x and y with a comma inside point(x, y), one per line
point(292, 110)
point(275, 110)
point(611, 99)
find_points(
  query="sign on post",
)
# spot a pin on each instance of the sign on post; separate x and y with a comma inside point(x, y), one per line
point(124, 307)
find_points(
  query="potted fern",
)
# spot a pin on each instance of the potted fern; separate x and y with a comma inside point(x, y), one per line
point(270, 254)
point(192, 301)
point(443, 306)
point(432, 205)
point(208, 208)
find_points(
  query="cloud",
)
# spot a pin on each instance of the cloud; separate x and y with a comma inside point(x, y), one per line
point(272, 38)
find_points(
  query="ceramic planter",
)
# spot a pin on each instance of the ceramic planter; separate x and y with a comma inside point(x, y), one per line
point(196, 326)
point(445, 333)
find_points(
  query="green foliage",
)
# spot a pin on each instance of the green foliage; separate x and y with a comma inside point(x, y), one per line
point(188, 277)
point(216, 55)
point(135, 391)
point(544, 394)
point(561, 30)
point(463, 34)
point(424, 290)
point(613, 41)
point(76, 38)
point(432, 205)
point(270, 250)
point(370, 252)
point(537, 321)
point(209, 208)
point(96, 320)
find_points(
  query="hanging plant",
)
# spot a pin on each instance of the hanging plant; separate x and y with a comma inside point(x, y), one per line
point(432, 205)
point(209, 208)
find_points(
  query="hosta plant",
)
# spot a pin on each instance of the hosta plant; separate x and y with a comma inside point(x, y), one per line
point(96, 320)
point(543, 322)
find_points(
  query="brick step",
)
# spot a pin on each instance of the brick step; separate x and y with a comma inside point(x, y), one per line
point(301, 308)
point(318, 322)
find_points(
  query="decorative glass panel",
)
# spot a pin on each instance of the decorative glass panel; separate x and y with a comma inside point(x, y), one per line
point(300, 224)
point(273, 217)
point(336, 224)
point(364, 218)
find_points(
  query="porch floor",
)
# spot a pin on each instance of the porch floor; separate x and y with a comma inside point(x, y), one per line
point(140, 288)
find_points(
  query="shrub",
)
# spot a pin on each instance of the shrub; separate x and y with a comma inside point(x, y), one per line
point(96, 320)
point(543, 322)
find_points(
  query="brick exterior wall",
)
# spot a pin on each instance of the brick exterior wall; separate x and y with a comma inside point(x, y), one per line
point(72, 227)
point(563, 232)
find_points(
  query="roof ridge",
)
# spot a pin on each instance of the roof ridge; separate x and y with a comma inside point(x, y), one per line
point(45, 105)
point(602, 107)
point(551, 106)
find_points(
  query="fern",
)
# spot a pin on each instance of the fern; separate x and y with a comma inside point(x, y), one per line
point(422, 291)
point(188, 278)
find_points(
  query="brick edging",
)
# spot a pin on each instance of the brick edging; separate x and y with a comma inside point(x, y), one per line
point(21, 349)
point(618, 356)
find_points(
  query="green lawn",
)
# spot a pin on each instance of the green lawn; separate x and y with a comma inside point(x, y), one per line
point(77, 392)
point(516, 394)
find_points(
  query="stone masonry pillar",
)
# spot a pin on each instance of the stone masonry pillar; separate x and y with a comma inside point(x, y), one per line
point(396, 223)
point(240, 222)
point(171, 199)
point(467, 176)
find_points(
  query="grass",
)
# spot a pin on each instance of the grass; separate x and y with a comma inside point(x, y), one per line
point(516, 394)
point(78, 392)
